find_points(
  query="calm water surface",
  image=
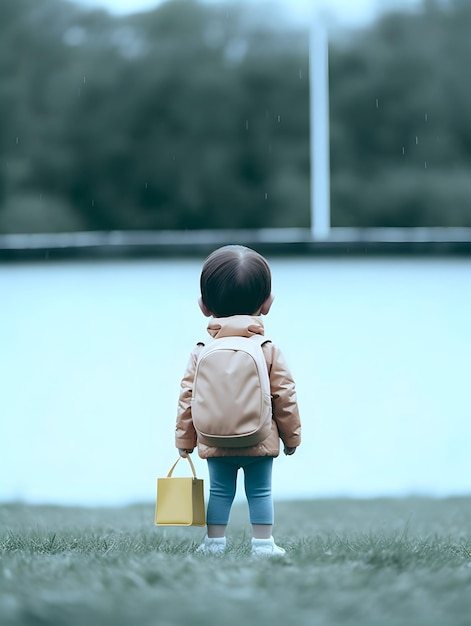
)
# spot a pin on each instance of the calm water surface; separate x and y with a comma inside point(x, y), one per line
point(91, 356)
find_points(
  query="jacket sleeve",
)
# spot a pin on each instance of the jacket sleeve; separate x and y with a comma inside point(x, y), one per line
point(185, 434)
point(284, 400)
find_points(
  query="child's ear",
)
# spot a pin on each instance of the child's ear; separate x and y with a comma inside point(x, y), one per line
point(204, 308)
point(267, 304)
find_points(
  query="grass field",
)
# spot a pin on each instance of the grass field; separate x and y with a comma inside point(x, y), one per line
point(349, 562)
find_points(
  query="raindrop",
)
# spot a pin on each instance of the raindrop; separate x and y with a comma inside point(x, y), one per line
point(145, 185)
point(425, 164)
point(269, 147)
point(403, 151)
point(246, 124)
point(84, 80)
point(266, 195)
point(416, 140)
point(300, 74)
point(426, 117)
point(93, 203)
point(279, 119)
point(174, 157)
point(377, 103)
point(17, 140)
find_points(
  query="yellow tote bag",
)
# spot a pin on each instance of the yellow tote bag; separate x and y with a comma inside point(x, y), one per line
point(180, 501)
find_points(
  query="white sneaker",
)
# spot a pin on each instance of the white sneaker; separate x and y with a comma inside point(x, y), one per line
point(266, 547)
point(211, 545)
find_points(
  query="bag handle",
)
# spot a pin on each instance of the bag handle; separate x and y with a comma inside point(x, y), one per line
point(169, 475)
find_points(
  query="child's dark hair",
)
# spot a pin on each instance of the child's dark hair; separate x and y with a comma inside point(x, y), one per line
point(235, 280)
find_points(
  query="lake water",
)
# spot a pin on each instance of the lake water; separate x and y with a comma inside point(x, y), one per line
point(92, 354)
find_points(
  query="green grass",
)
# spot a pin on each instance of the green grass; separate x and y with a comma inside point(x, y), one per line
point(349, 562)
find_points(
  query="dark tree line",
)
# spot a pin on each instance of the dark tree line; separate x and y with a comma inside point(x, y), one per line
point(197, 116)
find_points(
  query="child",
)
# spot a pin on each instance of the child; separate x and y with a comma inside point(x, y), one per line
point(235, 291)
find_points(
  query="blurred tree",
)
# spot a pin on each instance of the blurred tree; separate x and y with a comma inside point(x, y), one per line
point(194, 127)
point(33, 60)
point(196, 116)
point(401, 120)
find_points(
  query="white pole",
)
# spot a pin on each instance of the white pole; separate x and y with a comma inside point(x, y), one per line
point(319, 128)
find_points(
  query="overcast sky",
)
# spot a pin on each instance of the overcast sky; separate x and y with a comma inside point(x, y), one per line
point(344, 11)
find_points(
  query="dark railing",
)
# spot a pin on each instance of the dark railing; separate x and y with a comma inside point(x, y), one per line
point(96, 244)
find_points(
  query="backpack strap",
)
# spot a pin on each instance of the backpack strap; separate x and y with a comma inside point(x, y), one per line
point(261, 339)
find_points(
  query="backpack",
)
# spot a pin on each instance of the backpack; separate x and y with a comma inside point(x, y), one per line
point(231, 399)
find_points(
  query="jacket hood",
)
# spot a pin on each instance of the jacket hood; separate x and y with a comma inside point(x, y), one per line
point(235, 325)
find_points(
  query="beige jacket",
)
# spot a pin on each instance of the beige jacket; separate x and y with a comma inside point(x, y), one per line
point(286, 422)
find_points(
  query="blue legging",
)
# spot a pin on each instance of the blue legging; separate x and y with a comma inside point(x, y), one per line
point(223, 484)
